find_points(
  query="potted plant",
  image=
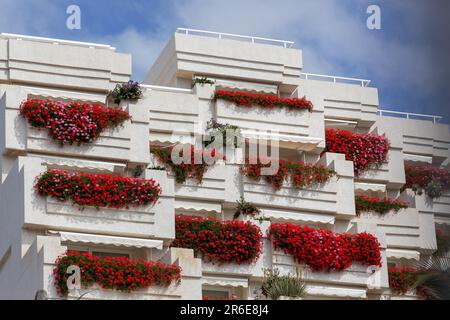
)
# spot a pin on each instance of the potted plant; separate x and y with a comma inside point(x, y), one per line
point(286, 287)
point(245, 208)
point(130, 90)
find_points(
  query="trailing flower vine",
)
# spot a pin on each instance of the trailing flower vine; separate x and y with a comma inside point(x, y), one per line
point(432, 180)
point(324, 250)
point(298, 174)
point(262, 100)
point(384, 205)
point(97, 190)
point(364, 150)
point(71, 122)
point(187, 168)
point(118, 273)
point(219, 241)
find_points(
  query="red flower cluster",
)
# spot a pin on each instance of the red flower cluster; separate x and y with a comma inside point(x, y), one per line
point(119, 273)
point(187, 169)
point(401, 279)
point(98, 190)
point(299, 174)
point(421, 175)
point(219, 241)
point(373, 204)
point(365, 150)
point(324, 250)
point(71, 122)
point(263, 100)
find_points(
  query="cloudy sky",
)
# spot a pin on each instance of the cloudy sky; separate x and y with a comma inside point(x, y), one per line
point(408, 59)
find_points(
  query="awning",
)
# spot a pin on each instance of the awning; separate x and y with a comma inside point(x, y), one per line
point(109, 240)
point(336, 292)
point(417, 158)
point(297, 216)
point(161, 137)
point(197, 206)
point(402, 254)
point(286, 140)
point(225, 281)
point(374, 187)
point(63, 164)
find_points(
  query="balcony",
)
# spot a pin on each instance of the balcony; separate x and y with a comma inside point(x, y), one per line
point(123, 143)
point(44, 212)
point(62, 63)
point(321, 204)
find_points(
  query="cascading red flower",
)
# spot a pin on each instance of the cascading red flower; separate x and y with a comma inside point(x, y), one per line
point(365, 203)
point(299, 174)
point(324, 250)
point(97, 190)
point(118, 273)
point(364, 150)
point(219, 241)
point(186, 169)
point(262, 100)
point(71, 122)
point(421, 175)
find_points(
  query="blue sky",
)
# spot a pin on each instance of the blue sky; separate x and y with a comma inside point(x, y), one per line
point(408, 59)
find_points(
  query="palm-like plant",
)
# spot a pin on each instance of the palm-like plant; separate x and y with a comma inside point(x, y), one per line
point(276, 286)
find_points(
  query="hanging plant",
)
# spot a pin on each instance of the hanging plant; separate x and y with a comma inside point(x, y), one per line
point(187, 169)
point(262, 100)
point(245, 208)
point(130, 90)
point(384, 205)
point(97, 190)
point(219, 241)
point(71, 122)
point(117, 273)
point(366, 151)
point(426, 178)
point(300, 175)
point(324, 250)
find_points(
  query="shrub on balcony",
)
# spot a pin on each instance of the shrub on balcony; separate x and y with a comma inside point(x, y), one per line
point(432, 180)
point(299, 174)
point(276, 286)
point(130, 90)
point(230, 134)
point(245, 208)
point(379, 205)
point(219, 241)
point(186, 169)
point(97, 190)
point(71, 122)
point(118, 273)
point(262, 100)
point(324, 250)
point(364, 150)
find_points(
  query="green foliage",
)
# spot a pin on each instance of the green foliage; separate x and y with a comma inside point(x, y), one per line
point(245, 208)
point(276, 286)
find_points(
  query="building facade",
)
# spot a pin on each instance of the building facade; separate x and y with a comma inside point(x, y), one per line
point(35, 230)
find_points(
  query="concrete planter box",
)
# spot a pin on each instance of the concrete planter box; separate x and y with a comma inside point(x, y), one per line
point(149, 221)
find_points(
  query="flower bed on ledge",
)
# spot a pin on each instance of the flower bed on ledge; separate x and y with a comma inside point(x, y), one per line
point(365, 150)
point(186, 169)
point(299, 174)
point(324, 250)
point(263, 100)
point(365, 203)
point(97, 190)
point(119, 273)
point(219, 241)
point(71, 122)
point(422, 177)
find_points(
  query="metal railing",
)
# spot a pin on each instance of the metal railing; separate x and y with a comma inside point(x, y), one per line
point(408, 115)
point(56, 41)
point(335, 79)
point(221, 35)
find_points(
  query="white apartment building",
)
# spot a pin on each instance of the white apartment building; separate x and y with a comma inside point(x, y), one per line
point(35, 230)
